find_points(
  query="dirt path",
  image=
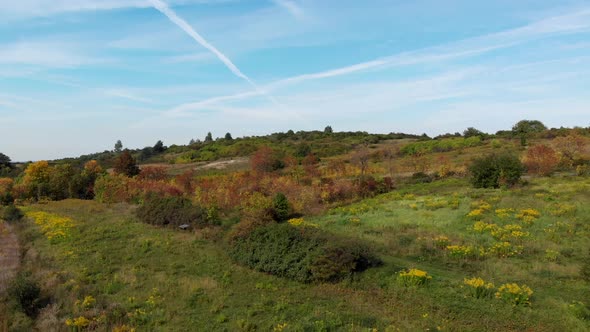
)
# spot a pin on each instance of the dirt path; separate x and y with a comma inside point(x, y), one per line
point(9, 255)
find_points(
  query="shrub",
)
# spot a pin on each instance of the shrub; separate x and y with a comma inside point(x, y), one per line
point(281, 209)
point(170, 211)
point(302, 254)
point(420, 177)
point(541, 160)
point(6, 197)
point(27, 294)
point(494, 170)
point(12, 213)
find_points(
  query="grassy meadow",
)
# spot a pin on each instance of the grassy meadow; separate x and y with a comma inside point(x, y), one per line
point(117, 273)
point(387, 233)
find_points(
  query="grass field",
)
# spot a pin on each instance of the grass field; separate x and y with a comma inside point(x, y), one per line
point(106, 270)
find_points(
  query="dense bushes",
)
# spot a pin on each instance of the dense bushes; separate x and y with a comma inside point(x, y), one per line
point(171, 211)
point(281, 209)
point(302, 254)
point(541, 159)
point(27, 295)
point(11, 213)
point(443, 145)
point(494, 170)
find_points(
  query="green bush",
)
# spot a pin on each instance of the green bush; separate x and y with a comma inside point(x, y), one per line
point(11, 213)
point(442, 145)
point(27, 294)
point(281, 209)
point(171, 211)
point(420, 177)
point(302, 254)
point(494, 170)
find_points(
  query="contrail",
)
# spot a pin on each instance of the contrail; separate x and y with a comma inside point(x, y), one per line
point(181, 23)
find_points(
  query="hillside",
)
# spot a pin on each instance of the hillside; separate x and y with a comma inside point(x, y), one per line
point(311, 232)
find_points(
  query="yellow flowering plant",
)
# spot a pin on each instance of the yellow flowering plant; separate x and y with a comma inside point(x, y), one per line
point(53, 226)
point(515, 294)
point(413, 277)
point(528, 215)
point(479, 288)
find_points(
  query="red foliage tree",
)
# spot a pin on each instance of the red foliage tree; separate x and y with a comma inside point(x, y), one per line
point(266, 160)
point(153, 173)
point(541, 160)
point(126, 165)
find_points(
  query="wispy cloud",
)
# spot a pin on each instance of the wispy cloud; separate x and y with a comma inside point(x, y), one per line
point(44, 54)
point(181, 23)
point(28, 8)
point(573, 22)
point(194, 57)
point(292, 7)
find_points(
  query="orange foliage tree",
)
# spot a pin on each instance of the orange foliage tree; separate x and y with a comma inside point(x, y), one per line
point(541, 159)
point(570, 148)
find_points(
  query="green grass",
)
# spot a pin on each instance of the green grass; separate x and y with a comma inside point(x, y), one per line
point(158, 279)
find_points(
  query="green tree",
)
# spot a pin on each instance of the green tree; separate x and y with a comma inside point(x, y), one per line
point(525, 128)
point(126, 165)
point(328, 130)
point(4, 161)
point(118, 146)
point(281, 209)
point(159, 147)
point(228, 137)
point(470, 132)
point(208, 138)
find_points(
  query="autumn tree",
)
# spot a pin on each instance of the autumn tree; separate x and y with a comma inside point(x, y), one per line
point(310, 165)
point(266, 160)
point(153, 173)
point(83, 183)
point(570, 148)
point(36, 178)
point(541, 159)
point(525, 128)
point(361, 158)
point(126, 165)
point(6, 197)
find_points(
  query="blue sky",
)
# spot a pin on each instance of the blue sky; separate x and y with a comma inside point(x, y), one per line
point(76, 75)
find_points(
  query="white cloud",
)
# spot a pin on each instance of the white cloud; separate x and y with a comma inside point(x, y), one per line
point(573, 22)
point(32, 8)
point(44, 54)
point(292, 7)
point(193, 57)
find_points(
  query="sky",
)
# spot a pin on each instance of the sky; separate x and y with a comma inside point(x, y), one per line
point(78, 75)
